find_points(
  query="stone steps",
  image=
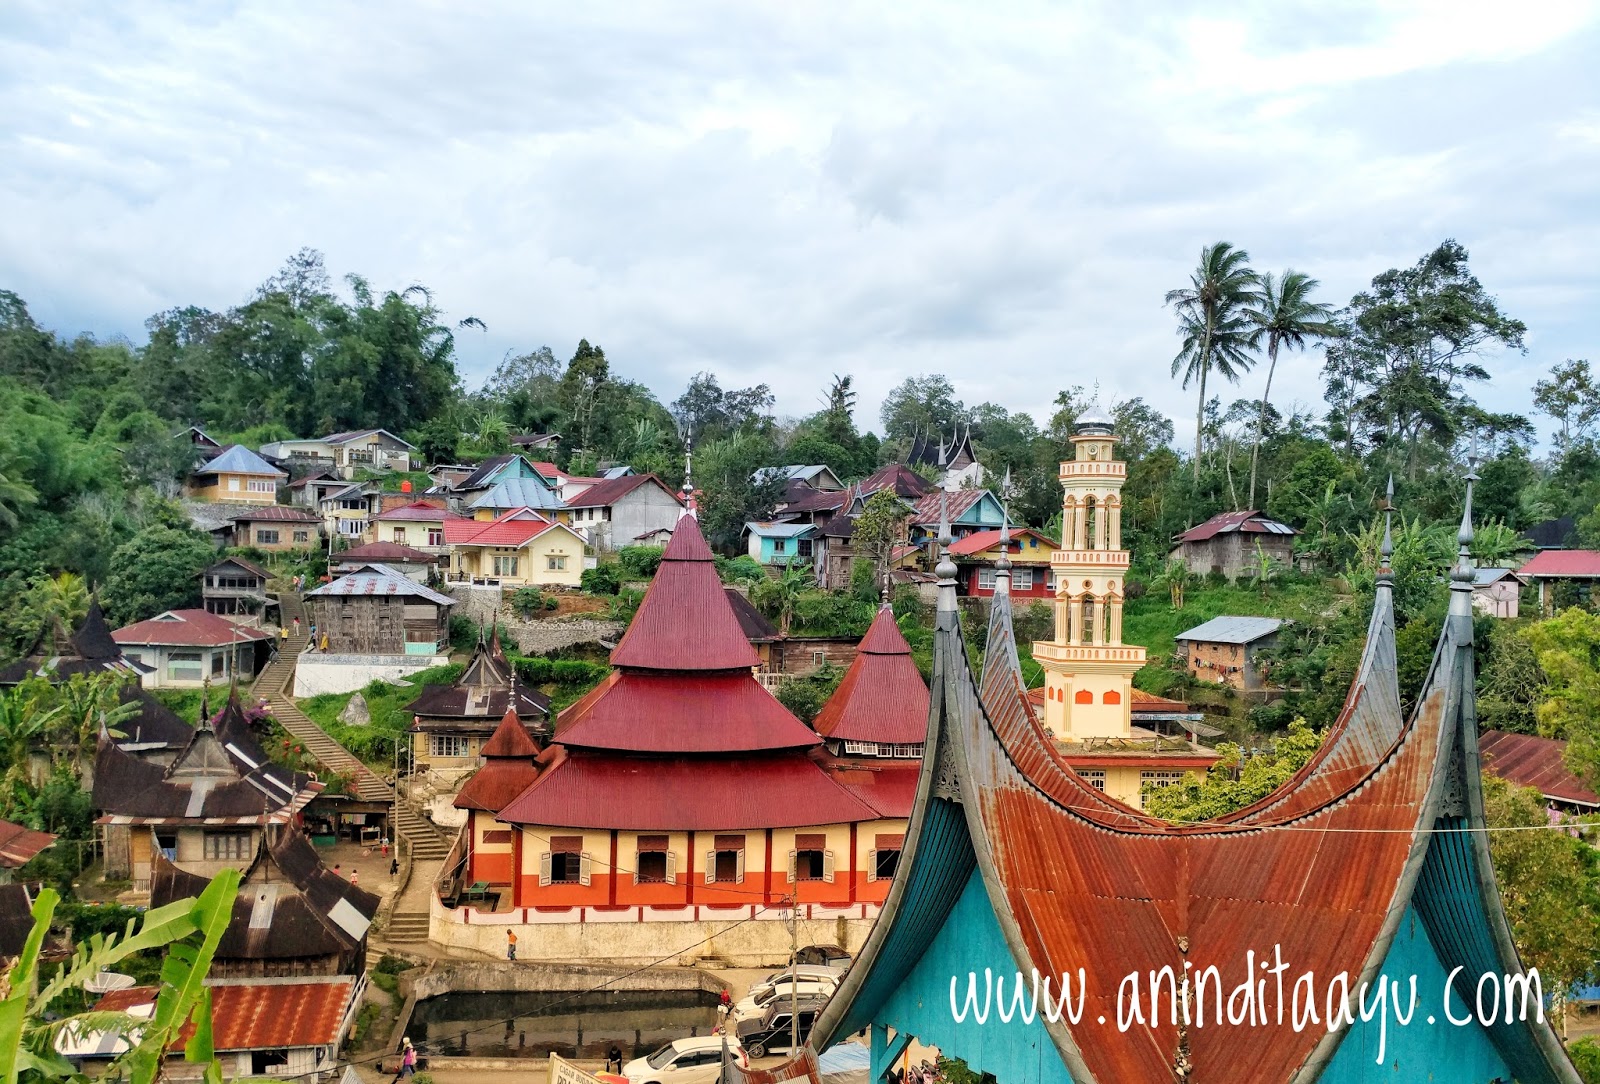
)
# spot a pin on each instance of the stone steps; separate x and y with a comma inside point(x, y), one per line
point(409, 926)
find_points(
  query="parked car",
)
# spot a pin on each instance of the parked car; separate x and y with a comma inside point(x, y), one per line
point(755, 1004)
point(804, 972)
point(825, 956)
point(693, 1060)
point(769, 1032)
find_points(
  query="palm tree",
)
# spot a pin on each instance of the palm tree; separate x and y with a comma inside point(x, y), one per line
point(1175, 577)
point(65, 598)
point(1217, 333)
point(1286, 315)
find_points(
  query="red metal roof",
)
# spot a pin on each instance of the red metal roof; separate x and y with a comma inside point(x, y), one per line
point(981, 541)
point(514, 528)
point(416, 511)
point(493, 786)
point(602, 790)
point(685, 621)
point(652, 712)
point(882, 697)
point(902, 479)
point(608, 491)
point(510, 739)
point(1530, 761)
point(889, 786)
point(187, 628)
point(18, 844)
point(1562, 563)
point(928, 508)
point(261, 1015)
point(1249, 521)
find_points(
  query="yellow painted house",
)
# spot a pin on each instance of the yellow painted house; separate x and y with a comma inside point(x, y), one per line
point(237, 475)
point(518, 549)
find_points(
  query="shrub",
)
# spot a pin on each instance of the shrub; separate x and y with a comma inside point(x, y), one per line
point(640, 562)
point(1585, 1054)
point(390, 964)
point(528, 601)
point(739, 569)
point(805, 696)
point(601, 580)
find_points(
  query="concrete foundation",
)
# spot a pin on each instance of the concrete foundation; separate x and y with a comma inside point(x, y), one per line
point(315, 673)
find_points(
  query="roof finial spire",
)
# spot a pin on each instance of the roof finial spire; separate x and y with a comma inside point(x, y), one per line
point(1002, 566)
point(1386, 548)
point(688, 472)
point(945, 570)
point(1461, 575)
point(205, 703)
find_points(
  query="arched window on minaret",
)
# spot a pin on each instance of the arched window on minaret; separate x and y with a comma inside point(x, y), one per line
point(1113, 528)
point(1069, 523)
point(1089, 634)
point(1091, 523)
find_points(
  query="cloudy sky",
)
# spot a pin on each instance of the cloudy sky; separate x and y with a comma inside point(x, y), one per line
point(776, 192)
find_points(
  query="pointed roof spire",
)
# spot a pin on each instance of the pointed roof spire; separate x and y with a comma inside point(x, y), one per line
point(1002, 567)
point(1461, 575)
point(945, 570)
point(882, 697)
point(510, 739)
point(688, 473)
point(1386, 549)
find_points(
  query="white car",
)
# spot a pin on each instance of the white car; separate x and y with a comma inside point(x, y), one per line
point(756, 1004)
point(693, 1060)
point(812, 972)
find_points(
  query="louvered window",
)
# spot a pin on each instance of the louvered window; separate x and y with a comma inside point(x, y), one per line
point(725, 864)
point(565, 862)
point(654, 863)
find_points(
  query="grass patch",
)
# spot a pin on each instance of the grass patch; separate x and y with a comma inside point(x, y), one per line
point(1152, 622)
point(388, 705)
point(185, 703)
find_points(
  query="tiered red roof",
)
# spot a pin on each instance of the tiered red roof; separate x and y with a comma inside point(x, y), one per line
point(655, 712)
point(508, 767)
point(685, 622)
point(882, 697)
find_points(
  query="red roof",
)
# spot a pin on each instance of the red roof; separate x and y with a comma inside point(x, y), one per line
point(898, 477)
point(187, 628)
point(701, 794)
point(262, 1015)
point(1530, 761)
point(18, 844)
point(508, 768)
point(419, 511)
point(1248, 521)
point(1562, 563)
point(685, 621)
point(882, 697)
point(514, 528)
point(889, 786)
point(928, 507)
point(652, 712)
point(276, 513)
point(383, 551)
point(608, 491)
point(510, 739)
point(982, 541)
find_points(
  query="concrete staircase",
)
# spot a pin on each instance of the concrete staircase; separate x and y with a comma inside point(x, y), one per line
point(406, 927)
point(427, 846)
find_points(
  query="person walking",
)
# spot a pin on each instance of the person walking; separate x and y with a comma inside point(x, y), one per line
point(394, 866)
point(408, 1060)
point(297, 624)
point(355, 877)
point(614, 1059)
point(511, 944)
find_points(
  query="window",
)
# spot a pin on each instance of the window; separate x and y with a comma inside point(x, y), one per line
point(811, 860)
point(565, 862)
point(725, 864)
point(227, 846)
point(449, 745)
point(352, 528)
point(266, 538)
point(302, 536)
point(862, 748)
point(1160, 779)
point(435, 536)
point(233, 485)
point(884, 858)
point(556, 563)
point(262, 485)
point(1083, 696)
point(654, 863)
point(986, 579)
point(778, 545)
point(184, 665)
point(505, 565)
point(907, 750)
point(803, 547)
point(1022, 579)
point(268, 1062)
point(216, 663)
point(1095, 777)
point(399, 535)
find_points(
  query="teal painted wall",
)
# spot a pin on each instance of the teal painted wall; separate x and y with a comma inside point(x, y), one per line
point(970, 940)
point(1421, 1052)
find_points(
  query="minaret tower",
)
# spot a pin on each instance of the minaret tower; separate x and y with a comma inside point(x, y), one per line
point(1088, 670)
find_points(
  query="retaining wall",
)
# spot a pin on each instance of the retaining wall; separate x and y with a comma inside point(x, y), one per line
point(316, 673)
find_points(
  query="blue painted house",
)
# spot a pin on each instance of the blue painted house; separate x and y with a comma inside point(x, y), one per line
point(782, 543)
point(1364, 872)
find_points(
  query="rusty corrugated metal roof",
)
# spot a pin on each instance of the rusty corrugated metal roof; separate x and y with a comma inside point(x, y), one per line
point(882, 697)
point(1531, 761)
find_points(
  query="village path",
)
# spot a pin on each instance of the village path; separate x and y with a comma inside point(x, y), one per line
point(408, 920)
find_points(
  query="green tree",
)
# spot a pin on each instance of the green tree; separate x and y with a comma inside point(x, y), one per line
point(157, 569)
point(881, 525)
point(1510, 682)
point(26, 716)
point(1214, 323)
point(1572, 398)
point(1175, 577)
point(779, 596)
point(921, 405)
point(1287, 317)
point(1235, 780)
point(1567, 649)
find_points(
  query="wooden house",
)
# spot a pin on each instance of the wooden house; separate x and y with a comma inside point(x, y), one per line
point(780, 544)
point(235, 474)
point(377, 611)
point(1227, 543)
point(292, 916)
point(412, 563)
point(276, 528)
point(348, 512)
point(450, 723)
point(191, 648)
point(205, 812)
point(235, 587)
point(1497, 591)
point(1227, 649)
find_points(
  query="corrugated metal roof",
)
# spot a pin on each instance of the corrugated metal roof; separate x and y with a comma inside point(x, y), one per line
point(188, 628)
point(888, 786)
point(380, 580)
point(779, 530)
point(1558, 563)
point(1233, 630)
point(685, 622)
point(928, 508)
point(902, 479)
point(237, 459)
point(275, 513)
point(604, 790)
point(982, 541)
point(1250, 522)
point(1531, 761)
point(518, 492)
point(508, 768)
point(609, 491)
point(415, 512)
point(18, 844)
point(654, 712)
point(262, 1014)
point(882, 697)
point(382, 552)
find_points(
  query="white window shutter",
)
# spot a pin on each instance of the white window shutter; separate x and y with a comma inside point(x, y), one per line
point(636, 874)
point(583, 869)
point(827, 866)
point(672, 867)
point(544, 868)
point(793, 865)
point(711, 867)
point(872, 865)
point(740, 867)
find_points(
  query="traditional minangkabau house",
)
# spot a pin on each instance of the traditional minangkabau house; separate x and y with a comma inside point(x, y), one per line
point(293, 916)
point(450, 723)
point(57, 655)
point(205, 811)
point(1369, 867)
point(678, 791)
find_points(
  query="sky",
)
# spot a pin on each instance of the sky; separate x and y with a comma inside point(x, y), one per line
point(779, 192)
